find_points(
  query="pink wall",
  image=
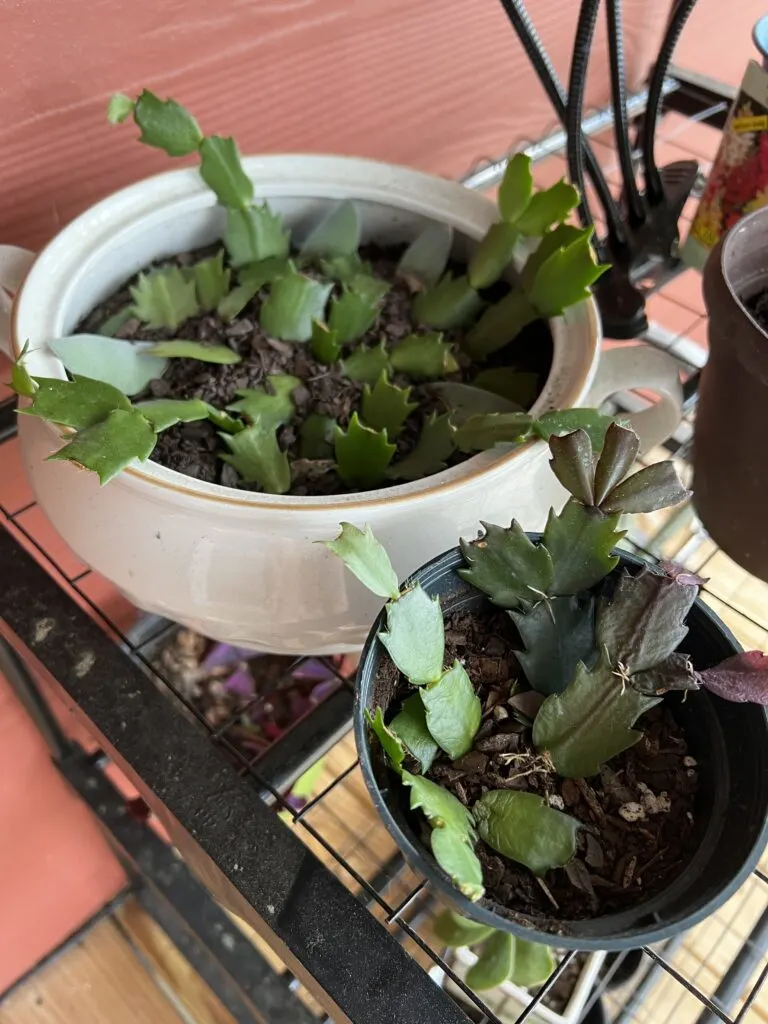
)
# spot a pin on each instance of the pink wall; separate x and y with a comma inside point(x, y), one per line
point(437, 84)
point(56, 869)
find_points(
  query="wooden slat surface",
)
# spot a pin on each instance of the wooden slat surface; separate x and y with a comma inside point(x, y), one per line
point(98, 981)
point(171, 967)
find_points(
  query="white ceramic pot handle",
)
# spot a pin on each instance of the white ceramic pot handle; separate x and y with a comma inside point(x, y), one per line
point(14, 264)
point(641, 366)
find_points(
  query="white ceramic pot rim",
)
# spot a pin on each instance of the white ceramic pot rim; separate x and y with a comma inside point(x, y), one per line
point(291, 175)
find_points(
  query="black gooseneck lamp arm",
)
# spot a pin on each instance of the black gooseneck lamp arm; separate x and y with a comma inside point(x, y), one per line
point(635, 206)
point(653, 182)
point(534, 48)
point(641, 230)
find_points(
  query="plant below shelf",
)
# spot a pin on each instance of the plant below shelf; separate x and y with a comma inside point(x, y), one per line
point(500, 956)
point(325, 366)
point(509, 971)
point(551, 777)
point(255, 698)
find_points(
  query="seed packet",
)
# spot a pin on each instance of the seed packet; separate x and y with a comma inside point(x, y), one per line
point(738, 181)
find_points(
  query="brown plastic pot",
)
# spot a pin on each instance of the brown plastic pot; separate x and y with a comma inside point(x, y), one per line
point(730, 466)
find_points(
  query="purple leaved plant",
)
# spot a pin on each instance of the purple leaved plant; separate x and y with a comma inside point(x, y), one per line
point(742, 678)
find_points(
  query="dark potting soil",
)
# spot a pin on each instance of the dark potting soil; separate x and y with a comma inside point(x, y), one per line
point(193, 448)
point(637, 814)
point(758, 307)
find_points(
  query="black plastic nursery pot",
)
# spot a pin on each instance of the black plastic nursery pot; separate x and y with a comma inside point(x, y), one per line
point(728, 740)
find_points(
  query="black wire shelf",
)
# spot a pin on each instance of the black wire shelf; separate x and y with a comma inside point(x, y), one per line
point(325, 886)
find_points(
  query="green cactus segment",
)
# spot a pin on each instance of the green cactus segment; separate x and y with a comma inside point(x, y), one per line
point(211, 280)
point(366, 559)
point(424, 261)
point(164, 124)
point(362, 454)
point(366, 365)
point(386, 406)
point(433, 450)
point(164, 298)
point(451, 304)
point(255, 234)
point(107, 447)
point(493, 255)
point(453, 711)
point(256, 455)
point(590, 722)
point(424, 357)
point(499, 325)
point(547, 208)
point(324, 343)
point(453, 833)
point(222, 171)
point(271, 410)
point(356, 310)
point(337, 234)
point(221, 355)
point(516, 188)
point(523, 827)
point(293, 304)
point(415, 637)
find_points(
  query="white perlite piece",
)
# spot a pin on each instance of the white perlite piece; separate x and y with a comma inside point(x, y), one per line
point(554, 800)
point(632, 811)
point(689, 762)
point(653, 804)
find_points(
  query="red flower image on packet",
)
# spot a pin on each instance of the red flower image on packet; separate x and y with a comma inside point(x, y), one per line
point(738, 181)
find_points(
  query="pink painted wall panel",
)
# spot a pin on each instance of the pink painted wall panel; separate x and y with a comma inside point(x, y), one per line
point(435, 84)
point(56, 869)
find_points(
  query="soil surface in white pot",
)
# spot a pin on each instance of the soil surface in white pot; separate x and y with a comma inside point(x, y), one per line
point(637, 814)
point(327, 396)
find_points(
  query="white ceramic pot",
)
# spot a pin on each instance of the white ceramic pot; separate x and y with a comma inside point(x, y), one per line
point(508, 1001)
point(244, 567)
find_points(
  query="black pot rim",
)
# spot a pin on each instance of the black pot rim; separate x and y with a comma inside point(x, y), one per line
point(418, 858)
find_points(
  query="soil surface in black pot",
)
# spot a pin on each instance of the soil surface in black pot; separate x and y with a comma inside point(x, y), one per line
point(637, 814)
point(758, 307)
point(193, 448)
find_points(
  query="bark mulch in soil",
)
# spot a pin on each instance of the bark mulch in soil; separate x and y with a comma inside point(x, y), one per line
point(637, 813)
point(192, 449)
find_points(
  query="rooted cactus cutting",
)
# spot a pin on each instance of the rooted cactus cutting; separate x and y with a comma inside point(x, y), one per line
point(317, 364)
point(538, 757)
